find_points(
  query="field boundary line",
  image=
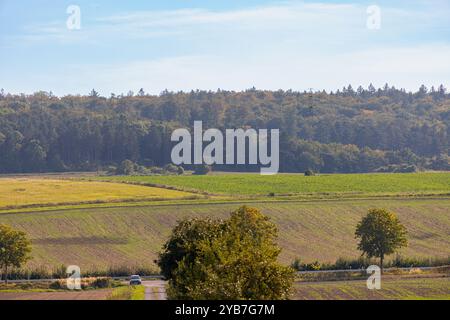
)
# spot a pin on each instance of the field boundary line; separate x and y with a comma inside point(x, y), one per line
point(211, 202)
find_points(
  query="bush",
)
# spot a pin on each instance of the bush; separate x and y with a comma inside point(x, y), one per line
point(180, 170)
point(170, 168)
point(102, 283)
point(344, 264)
point(123, 271)
point(60, 272)
point(406, 169)
point(403, 168)
point(142, 170)
point(111, 170)
point(363, 263)
point(56, 285)
point(157, 170)
point(202, 170)
point(297, 264)
point(127, 167)
point(315, 266)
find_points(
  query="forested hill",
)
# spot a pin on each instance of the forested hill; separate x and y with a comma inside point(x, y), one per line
point(350, 130)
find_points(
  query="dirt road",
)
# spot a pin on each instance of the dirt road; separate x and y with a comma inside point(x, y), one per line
point(155, 290)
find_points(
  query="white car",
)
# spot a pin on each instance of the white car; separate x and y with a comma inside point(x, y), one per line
point(135, 280)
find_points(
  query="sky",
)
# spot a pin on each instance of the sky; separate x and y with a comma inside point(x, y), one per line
point(231, 45)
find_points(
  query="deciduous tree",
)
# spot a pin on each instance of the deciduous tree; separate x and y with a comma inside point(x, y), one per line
point(380, 233)
point(232, 259)
point(14, 249)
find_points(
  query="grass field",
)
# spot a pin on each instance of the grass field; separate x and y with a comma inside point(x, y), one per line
point(310, 230)
point(294, 184)
point(128, 293)
point(391, 289)
point(29, 192)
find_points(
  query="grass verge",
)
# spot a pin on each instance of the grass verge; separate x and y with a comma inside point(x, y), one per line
point(128, 293)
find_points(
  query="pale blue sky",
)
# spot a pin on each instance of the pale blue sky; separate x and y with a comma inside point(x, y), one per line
point(234, 45)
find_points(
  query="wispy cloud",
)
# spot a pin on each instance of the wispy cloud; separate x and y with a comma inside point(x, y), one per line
point(188, 17)
point(149, 24)
point(294, 45)
point(310, 19)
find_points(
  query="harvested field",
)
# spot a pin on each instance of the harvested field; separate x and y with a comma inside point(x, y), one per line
point(309, 230)
point(82, 295)
point(34, 192)
point(396, 288)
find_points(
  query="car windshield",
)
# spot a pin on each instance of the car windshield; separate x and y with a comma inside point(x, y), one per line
point(135, 277)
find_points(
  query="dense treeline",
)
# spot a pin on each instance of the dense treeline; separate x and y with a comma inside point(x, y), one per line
point(349, 130)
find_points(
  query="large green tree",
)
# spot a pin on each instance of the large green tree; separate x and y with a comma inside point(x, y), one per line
point(184, 242)
point(380, 233)
point(231, 259)
point(14, 249)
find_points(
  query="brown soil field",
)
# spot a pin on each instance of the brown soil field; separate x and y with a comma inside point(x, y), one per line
point(82, 295)
point(316, 230)
point(392, 288)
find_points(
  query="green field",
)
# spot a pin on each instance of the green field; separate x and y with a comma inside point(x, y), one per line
point(392, 289)
point(296, 184)
point(97, 238)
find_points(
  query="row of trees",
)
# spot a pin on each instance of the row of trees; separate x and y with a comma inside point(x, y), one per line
point(438, 93)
